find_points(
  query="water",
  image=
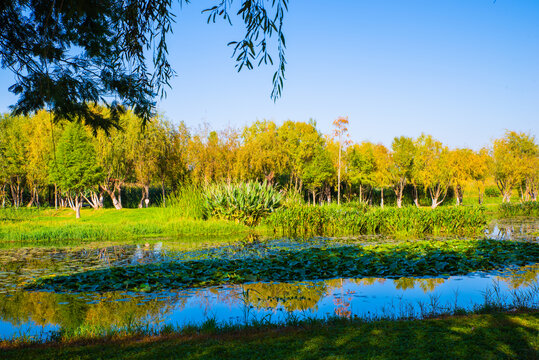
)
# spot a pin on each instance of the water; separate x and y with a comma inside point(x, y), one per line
point(38, 314)
point(523, 228)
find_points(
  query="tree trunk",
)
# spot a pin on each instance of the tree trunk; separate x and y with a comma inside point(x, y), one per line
point(33, 199)
point(382, 198)
point(416, 200)
point(398, 189)
point(55, 197)
point(457, 196)
point(339, 175)
point(145, 200)
point(163, 193)
point(116, 189)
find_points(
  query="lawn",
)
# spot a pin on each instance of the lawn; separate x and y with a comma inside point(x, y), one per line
point(486, 336)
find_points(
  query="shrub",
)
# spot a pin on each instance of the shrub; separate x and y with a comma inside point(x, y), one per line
point(244, 202)
point(492, 191)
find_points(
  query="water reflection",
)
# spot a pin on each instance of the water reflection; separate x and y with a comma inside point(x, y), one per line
point(33, 313)
point(521, 228)
point(30, 313)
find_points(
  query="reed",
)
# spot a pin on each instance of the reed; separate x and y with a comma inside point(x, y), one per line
point(332, 220)
point(526, 208)
point(187, 202)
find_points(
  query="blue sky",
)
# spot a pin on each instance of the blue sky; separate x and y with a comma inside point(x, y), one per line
point(461, 70)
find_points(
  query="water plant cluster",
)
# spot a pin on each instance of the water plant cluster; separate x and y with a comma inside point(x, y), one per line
point(360, 220)
point(525, 208)
point(420, 258)
point(246, 203)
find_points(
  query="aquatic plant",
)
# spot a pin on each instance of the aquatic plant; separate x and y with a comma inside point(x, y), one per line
point(331, 220)
point(245, 203)
point(526, 208)
point(412, 258)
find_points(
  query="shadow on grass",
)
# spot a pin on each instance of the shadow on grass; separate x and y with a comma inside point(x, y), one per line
point(487, 336)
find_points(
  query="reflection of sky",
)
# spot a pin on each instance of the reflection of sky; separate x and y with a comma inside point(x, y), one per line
point(377, 299)
point(355, 297)
point(27, 329)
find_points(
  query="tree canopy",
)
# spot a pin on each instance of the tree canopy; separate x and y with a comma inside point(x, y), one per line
point(68, 55)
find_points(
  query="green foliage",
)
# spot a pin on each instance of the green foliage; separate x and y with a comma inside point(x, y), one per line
point(419, 258)
point(492, 191)
point(246, 202)
point(75, 168)
point(353, 219)
point(527, 208)
point(187, 202)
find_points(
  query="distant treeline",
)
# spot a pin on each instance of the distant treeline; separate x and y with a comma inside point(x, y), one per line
point(62, 163)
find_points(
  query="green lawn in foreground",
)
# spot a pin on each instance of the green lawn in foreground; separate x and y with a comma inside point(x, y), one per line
point(48, 226)
point(491, 336)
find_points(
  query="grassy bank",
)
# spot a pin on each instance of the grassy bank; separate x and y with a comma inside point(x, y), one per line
point(332, 220)
point(48, 226)
point(480, 336)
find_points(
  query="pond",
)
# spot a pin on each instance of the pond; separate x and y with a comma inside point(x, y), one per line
point(39, 314)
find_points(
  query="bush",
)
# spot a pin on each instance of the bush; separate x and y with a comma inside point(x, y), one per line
point(492, 191)
point(245, 202)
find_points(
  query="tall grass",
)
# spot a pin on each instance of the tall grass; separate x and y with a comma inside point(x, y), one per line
point(332, 220)
point(187, 202)
point(527, 208)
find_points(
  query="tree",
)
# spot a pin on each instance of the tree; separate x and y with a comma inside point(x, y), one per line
point(14, 141)
point(261, 156)
point(382, 162)
point(480, 165)
point(70, 54)
point(300, 142)
point(514, 160)
point(40, 149)
point(361, 167)
point(432, 168)
point(114, 157)
point(318, 171)
point(75, 168)
point(461, 162)
point(145, 153)
point(172, 158)
point(402, 160)
point(340, 131)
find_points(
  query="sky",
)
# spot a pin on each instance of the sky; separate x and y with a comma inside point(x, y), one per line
point(463, 71)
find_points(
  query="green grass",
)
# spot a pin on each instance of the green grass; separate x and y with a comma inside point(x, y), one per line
point(333, 220)
point(48, 226)
point(480, 336)
point(527, 208)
